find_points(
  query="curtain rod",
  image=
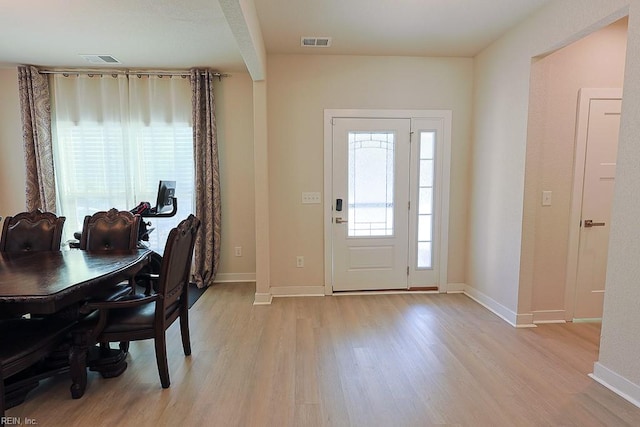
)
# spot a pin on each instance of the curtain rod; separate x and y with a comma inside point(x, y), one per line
point(220, 76)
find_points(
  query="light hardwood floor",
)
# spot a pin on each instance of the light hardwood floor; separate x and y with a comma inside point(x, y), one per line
point(383, 360)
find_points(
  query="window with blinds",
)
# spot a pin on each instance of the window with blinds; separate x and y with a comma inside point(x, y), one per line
point(98, 169)
point(114, 138)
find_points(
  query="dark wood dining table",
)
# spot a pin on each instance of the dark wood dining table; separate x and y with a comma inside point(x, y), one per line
point(44, 283)
point(56, 284)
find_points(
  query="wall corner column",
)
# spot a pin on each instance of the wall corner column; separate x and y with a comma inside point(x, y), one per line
point(261, 167)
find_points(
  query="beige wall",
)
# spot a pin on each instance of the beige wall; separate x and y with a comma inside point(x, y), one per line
point(619, 364)
point(597, 61)
point(500, 118)
point(300, 87)
point(234, 118)
point(12, 174)
point(501, 104)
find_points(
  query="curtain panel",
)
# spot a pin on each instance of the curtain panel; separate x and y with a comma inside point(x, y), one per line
point(207, 178)
point(35, 109)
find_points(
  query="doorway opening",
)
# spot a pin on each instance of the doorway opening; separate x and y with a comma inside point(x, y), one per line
point(551, 226)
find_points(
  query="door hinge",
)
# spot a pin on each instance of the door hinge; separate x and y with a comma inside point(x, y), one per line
point(407, 270)
point(409, 205)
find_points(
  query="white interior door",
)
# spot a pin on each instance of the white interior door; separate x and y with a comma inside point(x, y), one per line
point(597, 198)
point(370, 224)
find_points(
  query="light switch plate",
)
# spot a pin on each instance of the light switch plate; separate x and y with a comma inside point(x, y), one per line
point(546, 198)
point(311, 197)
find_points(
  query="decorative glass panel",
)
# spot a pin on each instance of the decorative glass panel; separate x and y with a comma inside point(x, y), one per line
point(424, 228)
point(424, 254)
point(426, 173)
point(425, 199)
point(371, 179)
point(427, 144)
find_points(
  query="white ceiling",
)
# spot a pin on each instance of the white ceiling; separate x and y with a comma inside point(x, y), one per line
point(156, 34)
point(391, 27)
point(170, 34)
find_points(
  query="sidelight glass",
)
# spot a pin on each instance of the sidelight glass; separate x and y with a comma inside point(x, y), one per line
point(371, 184)
point(426, 183)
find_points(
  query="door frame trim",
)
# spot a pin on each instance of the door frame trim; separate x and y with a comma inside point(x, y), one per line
point(585, 95)
point(329, 115)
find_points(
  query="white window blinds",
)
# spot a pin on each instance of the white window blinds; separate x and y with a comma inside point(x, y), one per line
point(114, 139)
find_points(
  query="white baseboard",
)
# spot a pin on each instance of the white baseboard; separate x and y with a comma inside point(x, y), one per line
point(234, 277)
point(587, 320)
point(509, 316)
point(297, 291)
point(616, 383)
point(525, 320)
point(262, 299)
point(549, 316)
point(287, 291)
point(454, 288)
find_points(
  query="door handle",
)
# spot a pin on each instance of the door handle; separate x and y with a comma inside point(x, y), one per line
point(340, 220)
point(588, 223)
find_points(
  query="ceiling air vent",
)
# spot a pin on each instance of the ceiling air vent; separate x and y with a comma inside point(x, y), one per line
point(100, 59)
point(315, 41)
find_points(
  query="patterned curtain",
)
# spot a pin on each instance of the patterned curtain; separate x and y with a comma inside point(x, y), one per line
point(207, 178)
point(36, 134)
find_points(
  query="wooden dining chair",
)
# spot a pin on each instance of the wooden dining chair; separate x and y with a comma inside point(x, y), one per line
point(111, 230)
point(141, 317)
point(32, 231)
point(26, 342)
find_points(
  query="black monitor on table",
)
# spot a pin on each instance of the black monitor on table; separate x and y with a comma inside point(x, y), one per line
point(166, 194)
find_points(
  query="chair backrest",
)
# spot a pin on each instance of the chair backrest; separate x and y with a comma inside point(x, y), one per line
point(110, 230)
point(32, 231)
point(175, 270)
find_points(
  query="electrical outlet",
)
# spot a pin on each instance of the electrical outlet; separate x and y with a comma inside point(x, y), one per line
point(299, 261)
point(238, 250)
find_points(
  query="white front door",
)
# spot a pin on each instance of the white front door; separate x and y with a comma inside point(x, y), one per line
point(370, 223)
point(388, 171)
point(597, 197)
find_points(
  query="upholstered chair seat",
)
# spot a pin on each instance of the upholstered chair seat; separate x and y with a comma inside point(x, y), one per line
point(136, 318)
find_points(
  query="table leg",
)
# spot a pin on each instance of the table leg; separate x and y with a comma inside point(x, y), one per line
point(78, 363)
